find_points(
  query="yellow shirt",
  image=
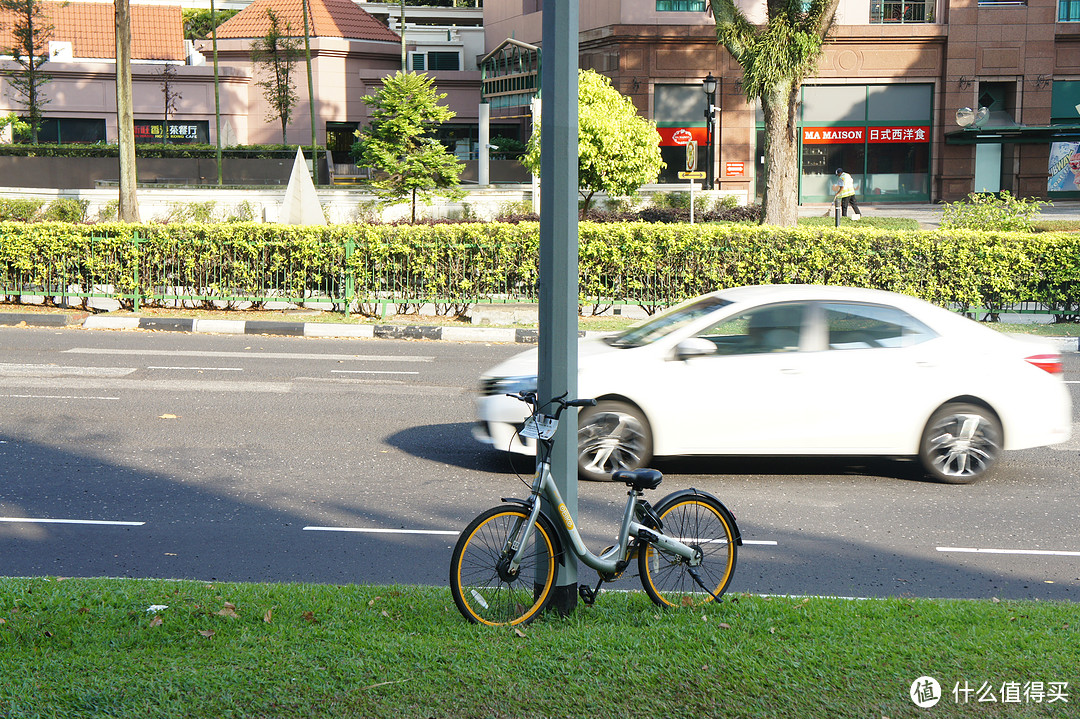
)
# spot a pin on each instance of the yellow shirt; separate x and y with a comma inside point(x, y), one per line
point(847, 186)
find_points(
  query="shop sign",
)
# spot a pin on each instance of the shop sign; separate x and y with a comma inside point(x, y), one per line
point(179, 132)
point(734, 168)
point(899, 134)
point(679, 136)
point(832, 135)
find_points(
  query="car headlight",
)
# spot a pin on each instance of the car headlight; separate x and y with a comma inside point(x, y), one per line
point(508, 385)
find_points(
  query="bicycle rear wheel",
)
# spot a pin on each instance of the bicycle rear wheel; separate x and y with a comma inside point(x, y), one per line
point(699, 521)
point(484, 589)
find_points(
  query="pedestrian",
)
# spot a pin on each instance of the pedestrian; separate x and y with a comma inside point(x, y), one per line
point(846, 192)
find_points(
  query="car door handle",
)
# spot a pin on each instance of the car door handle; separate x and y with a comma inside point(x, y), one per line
point(790, 370)
point(925, 364)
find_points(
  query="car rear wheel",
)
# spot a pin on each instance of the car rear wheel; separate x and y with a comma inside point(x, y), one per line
point(961, 443)
point(612, 436)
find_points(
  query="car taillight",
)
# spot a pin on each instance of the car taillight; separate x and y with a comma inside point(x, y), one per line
point(1049, 363)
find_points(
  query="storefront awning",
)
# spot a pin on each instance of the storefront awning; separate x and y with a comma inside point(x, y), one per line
point(1029, 134)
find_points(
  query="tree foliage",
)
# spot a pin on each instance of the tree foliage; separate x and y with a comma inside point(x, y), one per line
point(399, 143)
point(198, 23)
point(776, 57)
point(30, 34)
point(618, 150)
point(276, 54)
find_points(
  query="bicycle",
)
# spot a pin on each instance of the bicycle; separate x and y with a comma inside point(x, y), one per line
point(505, 562)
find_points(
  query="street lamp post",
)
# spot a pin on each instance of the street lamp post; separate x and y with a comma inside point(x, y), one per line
point(709, 86)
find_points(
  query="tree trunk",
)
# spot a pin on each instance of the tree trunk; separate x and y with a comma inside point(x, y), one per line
point(125, 118)
point(781, 203)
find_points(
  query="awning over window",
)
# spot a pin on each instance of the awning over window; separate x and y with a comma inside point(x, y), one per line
point(1029, 134)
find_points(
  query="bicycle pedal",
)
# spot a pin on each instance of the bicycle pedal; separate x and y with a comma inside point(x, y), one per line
point(587, 594)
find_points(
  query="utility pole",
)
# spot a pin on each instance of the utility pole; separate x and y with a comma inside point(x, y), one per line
point(559, 257)
point(125, 118)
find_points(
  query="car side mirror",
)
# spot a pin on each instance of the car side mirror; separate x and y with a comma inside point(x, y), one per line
point(694, 347)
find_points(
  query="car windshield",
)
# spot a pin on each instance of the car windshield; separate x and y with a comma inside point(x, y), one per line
point(661, 325)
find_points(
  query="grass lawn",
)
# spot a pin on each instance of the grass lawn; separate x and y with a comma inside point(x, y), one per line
point(141, 648)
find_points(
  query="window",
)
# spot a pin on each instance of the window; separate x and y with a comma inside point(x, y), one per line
point(71, 130)
point(444, 61)
point(680, 5)
point(1068, 10)
point(775, 328)
point(856, 327)
point(902, 11)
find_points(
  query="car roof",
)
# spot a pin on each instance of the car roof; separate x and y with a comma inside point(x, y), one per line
point(782, 293)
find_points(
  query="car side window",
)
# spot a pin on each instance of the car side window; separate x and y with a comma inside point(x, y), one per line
point(775, 328)
point(856, 326)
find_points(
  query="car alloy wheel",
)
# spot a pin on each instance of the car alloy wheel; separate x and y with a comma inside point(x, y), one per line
point(961, 443)
point(612, 436)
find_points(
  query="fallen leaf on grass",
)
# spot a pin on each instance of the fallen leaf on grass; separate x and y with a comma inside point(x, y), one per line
point(725, 625)
point(269, 616)
point(519, 633)
point(208, 633)
point(309, 617)
point(229, 611)
point(383, 684)
point(157, 621)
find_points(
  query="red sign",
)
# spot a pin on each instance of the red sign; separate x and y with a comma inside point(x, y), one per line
point(734, 168)
point(899, 134)
point(832, 135)
point(678, 136)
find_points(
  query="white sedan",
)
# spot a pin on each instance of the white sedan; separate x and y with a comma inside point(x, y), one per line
point(800, 370)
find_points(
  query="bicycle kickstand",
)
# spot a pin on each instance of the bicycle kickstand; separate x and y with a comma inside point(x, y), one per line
point(693, 572)
point(588, 594)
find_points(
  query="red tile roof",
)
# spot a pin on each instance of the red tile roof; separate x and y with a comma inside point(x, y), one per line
point(329, 18)
point(157, 31)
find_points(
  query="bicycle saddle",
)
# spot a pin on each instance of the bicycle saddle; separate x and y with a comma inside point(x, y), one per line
point(638, 478)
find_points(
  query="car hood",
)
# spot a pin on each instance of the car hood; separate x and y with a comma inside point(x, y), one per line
point(526, 363)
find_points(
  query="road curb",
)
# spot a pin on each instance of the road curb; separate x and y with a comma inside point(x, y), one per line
point(501, 335)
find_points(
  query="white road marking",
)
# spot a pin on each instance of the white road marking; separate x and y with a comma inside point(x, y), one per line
point(53, 396)
point(373, 530)
point(48, 370)
point(202, 369)
point(38, 520)
point(984, 550)
point(253, 355)
point(143, 385)
point(368, 371)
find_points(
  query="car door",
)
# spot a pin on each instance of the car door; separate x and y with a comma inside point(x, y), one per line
point(747, 396)
point(877, 368)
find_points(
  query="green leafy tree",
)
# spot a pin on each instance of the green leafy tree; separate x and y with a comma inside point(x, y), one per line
point(776, 58)
point(618, 150)
point(400, 144)
point(276, 55)
point(199, 23)
point(30, 34)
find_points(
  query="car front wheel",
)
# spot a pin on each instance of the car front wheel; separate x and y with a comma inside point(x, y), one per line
point(961, 443)
point(612, 436)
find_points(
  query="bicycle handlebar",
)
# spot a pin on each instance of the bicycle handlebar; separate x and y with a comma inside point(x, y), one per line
point(529, 398)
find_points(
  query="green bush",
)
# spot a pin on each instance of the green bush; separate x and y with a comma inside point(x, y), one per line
point(455, 265)
point(20, 210)
point(66, 209)
point(988, 211)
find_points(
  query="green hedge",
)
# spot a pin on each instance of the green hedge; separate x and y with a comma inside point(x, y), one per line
point(456, 265)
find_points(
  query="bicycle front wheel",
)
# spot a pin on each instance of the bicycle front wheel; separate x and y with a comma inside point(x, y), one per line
point(699, 521)
point(484, 588)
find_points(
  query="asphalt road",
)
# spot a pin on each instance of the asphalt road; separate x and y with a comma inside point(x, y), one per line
point(249, 458)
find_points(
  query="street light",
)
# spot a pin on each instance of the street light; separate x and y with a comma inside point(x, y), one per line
point(709, 86)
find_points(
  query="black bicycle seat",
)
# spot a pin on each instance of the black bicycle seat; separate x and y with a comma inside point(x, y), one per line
point(638, 478)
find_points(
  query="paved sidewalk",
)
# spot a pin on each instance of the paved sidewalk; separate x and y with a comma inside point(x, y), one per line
point(929, 216)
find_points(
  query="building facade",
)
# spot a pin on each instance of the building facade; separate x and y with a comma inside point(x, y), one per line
point(883, 103)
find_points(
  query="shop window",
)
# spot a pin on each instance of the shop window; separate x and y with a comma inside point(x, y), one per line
point(424, 61)
point(680, 5)
point(902, 11)
point(1068, 10)
point(71, 130)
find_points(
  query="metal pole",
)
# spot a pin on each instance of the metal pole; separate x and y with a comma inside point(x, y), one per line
point(483, 163)
point(311, 97)
point(217, 93)
point(559, 255)
point(711, 118)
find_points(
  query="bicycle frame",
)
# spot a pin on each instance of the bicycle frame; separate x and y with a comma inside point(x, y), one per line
point(608, 562)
